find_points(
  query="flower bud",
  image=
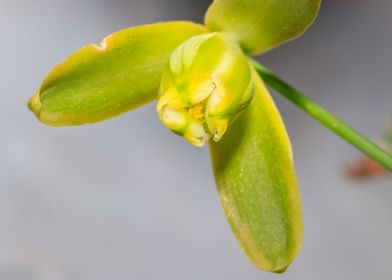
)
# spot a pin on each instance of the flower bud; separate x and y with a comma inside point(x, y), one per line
point(207, 83)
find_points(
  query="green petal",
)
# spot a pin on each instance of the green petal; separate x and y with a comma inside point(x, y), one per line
point(259, 25)
point(257, 185)
point(101, 81)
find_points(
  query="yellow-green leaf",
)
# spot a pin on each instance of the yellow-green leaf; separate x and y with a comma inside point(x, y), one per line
point(257, 184)
point(101, 81)
point(259, 25)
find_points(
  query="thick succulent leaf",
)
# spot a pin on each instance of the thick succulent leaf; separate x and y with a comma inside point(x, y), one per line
point(101, 81)
point(259, 25)
point(257, 185)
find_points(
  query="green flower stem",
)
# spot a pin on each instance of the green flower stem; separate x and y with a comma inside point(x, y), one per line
point(322, 115)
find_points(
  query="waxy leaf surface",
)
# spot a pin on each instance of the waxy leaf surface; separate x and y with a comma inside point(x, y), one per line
point(257, 185)
point(101, 81)
point(259, 25)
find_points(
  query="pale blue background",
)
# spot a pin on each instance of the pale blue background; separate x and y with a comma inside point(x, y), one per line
point(127, 199)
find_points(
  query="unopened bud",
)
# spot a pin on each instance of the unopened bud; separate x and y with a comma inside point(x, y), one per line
point(207, 83)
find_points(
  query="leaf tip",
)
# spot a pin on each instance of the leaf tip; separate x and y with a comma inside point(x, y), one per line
point(281, 270)
point(34, 104)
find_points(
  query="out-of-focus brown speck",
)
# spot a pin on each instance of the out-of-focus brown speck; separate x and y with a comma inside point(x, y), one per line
point(365, 168)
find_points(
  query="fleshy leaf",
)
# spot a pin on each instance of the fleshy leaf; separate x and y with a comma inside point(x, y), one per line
point(257, 184)
point(101, 81)
point(259, 25)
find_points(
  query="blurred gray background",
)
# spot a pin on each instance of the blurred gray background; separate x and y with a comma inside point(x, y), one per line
point(127, 199)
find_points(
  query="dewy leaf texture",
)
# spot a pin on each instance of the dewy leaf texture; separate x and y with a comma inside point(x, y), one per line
point(102, 81)
point(260, 25)
point(257, 185)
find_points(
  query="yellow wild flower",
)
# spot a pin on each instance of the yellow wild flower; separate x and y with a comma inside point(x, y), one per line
point(206, 84)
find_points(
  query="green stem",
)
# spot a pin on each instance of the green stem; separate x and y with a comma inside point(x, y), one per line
point(322, 115)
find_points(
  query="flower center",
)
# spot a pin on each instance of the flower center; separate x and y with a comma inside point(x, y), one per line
point(197, 111)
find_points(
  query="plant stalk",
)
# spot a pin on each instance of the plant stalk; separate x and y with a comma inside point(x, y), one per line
point(319, 113)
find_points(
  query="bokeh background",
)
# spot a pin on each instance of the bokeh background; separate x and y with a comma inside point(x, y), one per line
point(127, 199)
